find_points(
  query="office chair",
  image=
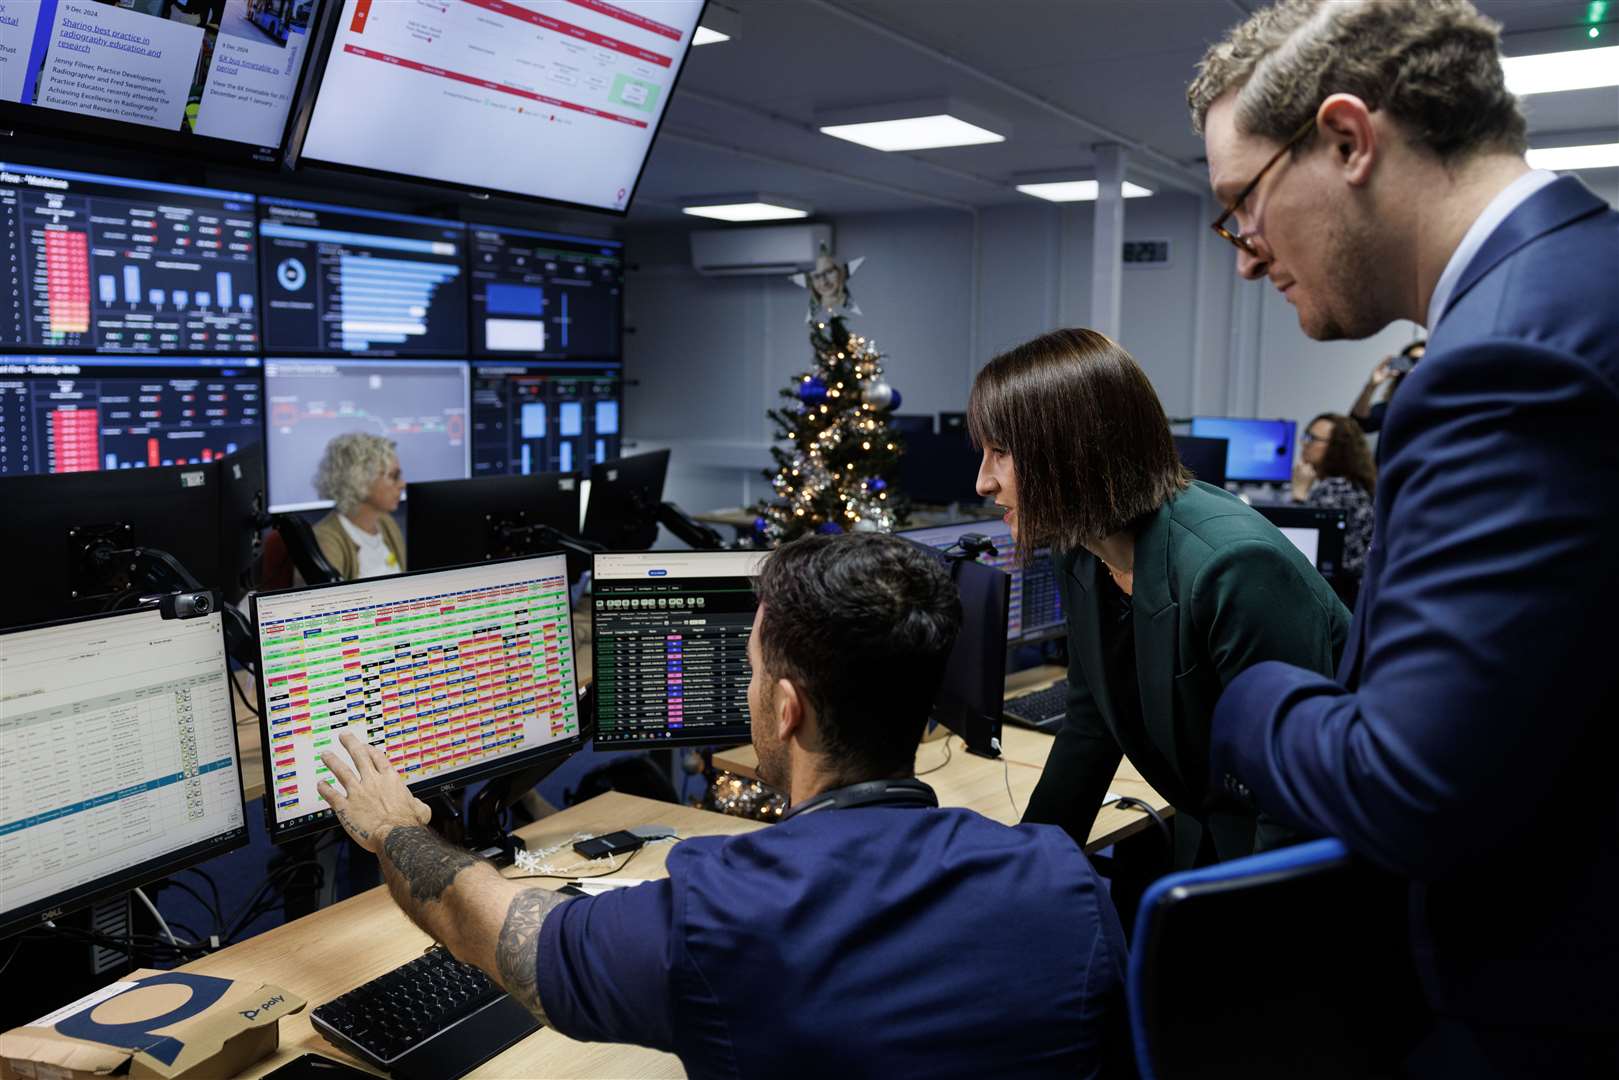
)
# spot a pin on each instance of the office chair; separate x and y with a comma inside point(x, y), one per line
point(1291, 963)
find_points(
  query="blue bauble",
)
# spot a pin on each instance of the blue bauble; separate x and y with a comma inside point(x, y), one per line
point(812, 392)
point(831, 528)
point(760, 525)
point(878, 484)
point(895, 400)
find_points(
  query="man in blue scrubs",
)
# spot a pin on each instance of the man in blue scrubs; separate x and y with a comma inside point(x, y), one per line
point(869, 933)
point(1371, 162)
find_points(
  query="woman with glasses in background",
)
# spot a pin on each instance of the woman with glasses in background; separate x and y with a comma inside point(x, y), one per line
point(1335, 471)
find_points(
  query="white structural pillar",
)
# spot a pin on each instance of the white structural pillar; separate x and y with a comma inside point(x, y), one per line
point(1107, 241)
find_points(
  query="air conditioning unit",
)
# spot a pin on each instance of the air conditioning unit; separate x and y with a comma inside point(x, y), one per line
point(776, 249)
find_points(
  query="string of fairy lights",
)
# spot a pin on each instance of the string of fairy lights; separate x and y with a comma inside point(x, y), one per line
point(837, 471)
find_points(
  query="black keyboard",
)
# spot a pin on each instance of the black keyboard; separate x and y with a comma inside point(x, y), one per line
point(1042, 710)
point(433, 1017)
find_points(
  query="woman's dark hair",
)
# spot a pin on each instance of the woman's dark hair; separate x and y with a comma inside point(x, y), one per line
point(1089, 440)
point(863, 623)
point(1347, 454)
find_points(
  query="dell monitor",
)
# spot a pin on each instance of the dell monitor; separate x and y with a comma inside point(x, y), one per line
point(339, 279)
point(550, 296)
point(625, 495)
point(110, 782)
point(83, 413)
point(669, 631)
point(71, 540)
point(457, 675)
point(1034, 605)
point(1259, 451)
point(420, 405)
point(1204, 457)
point(556, 102)
point(970, 698)
point(536, 417)
point(454, 522)
point(108, 264)
point(207, 78)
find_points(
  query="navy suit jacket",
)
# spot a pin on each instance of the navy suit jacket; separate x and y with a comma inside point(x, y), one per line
point(1471, 737)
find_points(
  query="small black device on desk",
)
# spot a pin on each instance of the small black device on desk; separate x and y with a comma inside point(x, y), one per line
point(608, 844)
point(315, 1067)
point(434, 1018)
point(1042, 710)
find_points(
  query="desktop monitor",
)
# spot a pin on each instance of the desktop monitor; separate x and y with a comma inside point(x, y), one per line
point(339, 279)
point(453, 522)
point(625, 494)
point(1205, 457)
point(208, 78)
point(457, 675)
point(83, 413)
point(669, 634)
point(551, 101)
point(970, 698)
point(1259, 451)
point(546, 295)
point(543, 417)
point(1316, 531)
point(108, 264)
point(940, 469)
point(57, 534)
point(910, 425)
point(1034, 606)
point(421, 405)
point(110, 782)
point(242, 501)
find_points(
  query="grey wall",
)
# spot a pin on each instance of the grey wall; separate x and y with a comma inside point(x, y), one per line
point(942, 292)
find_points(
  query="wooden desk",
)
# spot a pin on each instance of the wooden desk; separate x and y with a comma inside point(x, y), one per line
point(334, 950)
point(1000, 790)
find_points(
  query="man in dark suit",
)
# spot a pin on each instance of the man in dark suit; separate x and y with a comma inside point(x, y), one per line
point(1371, 163)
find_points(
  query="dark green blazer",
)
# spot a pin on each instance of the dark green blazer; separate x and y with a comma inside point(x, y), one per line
point(1217, 589)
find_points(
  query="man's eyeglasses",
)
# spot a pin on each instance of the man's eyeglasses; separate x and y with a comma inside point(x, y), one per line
point(1219, 225)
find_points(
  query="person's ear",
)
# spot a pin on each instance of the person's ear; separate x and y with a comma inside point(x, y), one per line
point(1352, 136)
point(789, 709)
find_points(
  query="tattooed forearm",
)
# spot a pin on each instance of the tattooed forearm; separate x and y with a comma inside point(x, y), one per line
point(518, 951)
point(425, 862)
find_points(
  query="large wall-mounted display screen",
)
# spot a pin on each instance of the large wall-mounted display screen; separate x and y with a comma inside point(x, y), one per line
point(548, 99)
point(114, 265)
point(83, 413)
point(420, 405)
point(545, 295)
point(213, 76)
point(345, 280)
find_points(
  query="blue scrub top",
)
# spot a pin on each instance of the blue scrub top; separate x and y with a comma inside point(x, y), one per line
point(876, 940)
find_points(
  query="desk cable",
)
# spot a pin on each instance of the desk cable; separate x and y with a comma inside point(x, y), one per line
point(942, 764)
point(537, 863)
point(241, 695)
point(1006, 776)
point(1125, 802)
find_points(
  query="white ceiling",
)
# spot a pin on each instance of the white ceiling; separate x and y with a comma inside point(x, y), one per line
point(1064, 74)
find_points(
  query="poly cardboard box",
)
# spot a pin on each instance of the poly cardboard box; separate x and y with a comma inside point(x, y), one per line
point(153, 1024)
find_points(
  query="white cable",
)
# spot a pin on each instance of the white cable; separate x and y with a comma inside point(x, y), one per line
point(536, 864)
point(1006, 774)
point(158, 915)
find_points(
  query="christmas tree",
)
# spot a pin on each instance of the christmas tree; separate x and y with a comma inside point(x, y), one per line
point(837, 469)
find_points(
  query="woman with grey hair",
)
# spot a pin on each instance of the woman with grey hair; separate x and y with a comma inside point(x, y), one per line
point(360, 474)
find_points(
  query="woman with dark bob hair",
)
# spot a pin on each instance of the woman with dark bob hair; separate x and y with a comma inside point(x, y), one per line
point(1170, 587)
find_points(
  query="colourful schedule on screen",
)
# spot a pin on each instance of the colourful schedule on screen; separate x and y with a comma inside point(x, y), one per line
point(444, 671)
